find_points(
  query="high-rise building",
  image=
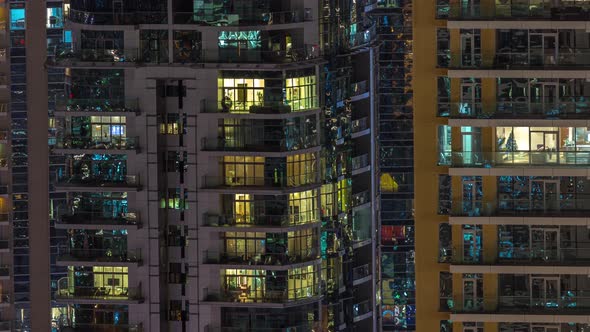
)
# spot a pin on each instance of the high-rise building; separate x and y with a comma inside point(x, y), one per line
point(502, 144)
point(212, 165)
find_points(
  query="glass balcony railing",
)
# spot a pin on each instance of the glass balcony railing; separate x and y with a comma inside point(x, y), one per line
point(262, 220)
point(280, 295)
point(89, 218)
point(531, 59)
point(561, 302)
point(360, 125)
point(514, 254)
point(359, 88)
point(266, 107)
point(113, 255)
point(103, 327)
point(359, 162)
point(361, 308)
point(97, 143)
point(284, 327)
point(116, 17)
point(520, 158)
point(562, 12)
point(290, 256)
point(298, 53)
point(280, 145)
point(361, 198)
point(127, 105)
point(131, 181)
point(244, 19)
point(361, 272)
point(262, 182)
point(115, 293)
point(566, 108)
point(542, 205)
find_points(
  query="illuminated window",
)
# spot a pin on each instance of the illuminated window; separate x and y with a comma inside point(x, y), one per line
point(243, 208)
point(303, 282)
point(301, 93)
point(301, 169)
point(17, 19)
point(54, 18)
point(171, 125)
point(107, 128)
point(243, 171)
point(244, 245)
point(239, 94)
point(303, 207)
point(240, 39)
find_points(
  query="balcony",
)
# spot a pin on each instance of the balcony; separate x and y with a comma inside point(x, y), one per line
point(271, 184)
point(5, 272)
point(77, 183)
point(564, 59)
point(556, 209)
point(360, 164)
point(260, 57)
point(80, 145)
point(305, 327)
point(244, 19)
point(361, 274)
point(291, 258)
point(97, 221)
point(134, 17)
point(489, 159)
point(518, 12)
point(96, 107)
point(103, 327)
point(568, 302)
point(361, 199)
point(271, 146)
point(359, 90)
point(97, 295)
point(97, 257)
point(263, 110)
point(361, 311)
point(360, 127)
point(562, 109)
point(268, 223)
point(279, 298)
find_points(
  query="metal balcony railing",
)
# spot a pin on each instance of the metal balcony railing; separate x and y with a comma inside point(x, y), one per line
point(575, 107)
point(361, 161)
point(360, 124)
point(567, 11)
point(130, 105)
point(274, 145)
point(113, 255)
point(244, 19)
point(537, 205)
point(92, 218)
point(97, 143)
point(254, 219)
point(290, 256)
point(488, 159)
point(66, 291)
point(262, 182)
point(360, 272)
point(245, 294)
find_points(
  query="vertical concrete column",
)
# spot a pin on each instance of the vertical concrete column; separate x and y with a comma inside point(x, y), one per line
point(38, 172)
point(458, 291)
point(488, 46)
point(490, 291)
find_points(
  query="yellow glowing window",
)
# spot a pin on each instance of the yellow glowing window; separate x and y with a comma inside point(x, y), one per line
point(301, 92)
point(240, 94)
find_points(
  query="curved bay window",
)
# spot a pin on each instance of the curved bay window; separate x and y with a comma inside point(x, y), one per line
point(301, 169)
point(295, 209)
point(245, 246)
point(301, 92)
point(271, 286)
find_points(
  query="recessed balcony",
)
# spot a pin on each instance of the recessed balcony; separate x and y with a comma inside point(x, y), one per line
point(99, 295)
point(259, 110)
point(573, 108)
point(132, 17)
point(264, 259)
point(360, 164)
point(88, 220)
point(78, 183)
point(360, 127)
point(262, 222)
point(98, 257)
point(567, 11)
point(242, 297)
point(487, 159)
point(361, 311)
point(80, 145)
point(96, 107)
point(361, 274)
point(261, 18)
point(261, 184)
point(300, 144)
